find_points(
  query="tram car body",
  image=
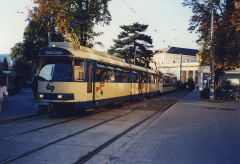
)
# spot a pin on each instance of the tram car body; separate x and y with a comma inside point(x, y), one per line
point(168, 83)
point(82, 78)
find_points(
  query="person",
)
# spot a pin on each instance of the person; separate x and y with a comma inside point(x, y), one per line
point(35, 86)
point(197, 87)
point(3, 91)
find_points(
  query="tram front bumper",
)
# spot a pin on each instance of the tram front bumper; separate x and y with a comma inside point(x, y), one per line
point(55, 96)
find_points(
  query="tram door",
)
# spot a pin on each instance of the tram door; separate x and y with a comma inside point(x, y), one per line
point(91, 71)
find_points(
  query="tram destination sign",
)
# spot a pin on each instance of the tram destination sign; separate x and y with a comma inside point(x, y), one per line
point(54, 51)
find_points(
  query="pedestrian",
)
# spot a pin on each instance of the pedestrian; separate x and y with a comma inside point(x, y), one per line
point(3, 91)
point(35, 86)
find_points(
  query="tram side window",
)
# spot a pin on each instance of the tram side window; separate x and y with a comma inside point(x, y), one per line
point(79, 73)
point(101, 73)
point(125, 76)
point(166, 80)
point(118, 74)
point(135, 77)
point(155, 79)
point(144, 77)
point(151, 78)
point(111, 75)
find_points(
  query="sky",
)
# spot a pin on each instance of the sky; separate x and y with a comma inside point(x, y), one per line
point(168, 22)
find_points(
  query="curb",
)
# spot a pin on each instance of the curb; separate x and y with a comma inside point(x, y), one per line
point(17, 118)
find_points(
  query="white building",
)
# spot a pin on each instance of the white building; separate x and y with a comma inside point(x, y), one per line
point(232, 76)
point(181, 62)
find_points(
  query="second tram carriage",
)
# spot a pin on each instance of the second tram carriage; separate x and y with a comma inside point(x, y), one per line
point(83, 78)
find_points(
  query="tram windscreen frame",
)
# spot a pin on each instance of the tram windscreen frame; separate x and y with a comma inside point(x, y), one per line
point(60, 71)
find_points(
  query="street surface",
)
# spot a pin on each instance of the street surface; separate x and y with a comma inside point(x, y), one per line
point(193, 131)
point(76, 138)
point(152, 131)
point(20, 105)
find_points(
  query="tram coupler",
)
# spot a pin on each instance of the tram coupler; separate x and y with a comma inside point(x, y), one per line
point(51, 110)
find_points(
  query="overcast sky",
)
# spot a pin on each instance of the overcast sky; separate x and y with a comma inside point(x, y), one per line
point(168, 22)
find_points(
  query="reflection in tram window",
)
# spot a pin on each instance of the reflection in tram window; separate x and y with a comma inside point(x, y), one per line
point(101, 73)
point(135, 77)
point(79, 73)
point(125, 76)
point(56, 72)
point(111, 75)
point(46, 72)
point(62, 72)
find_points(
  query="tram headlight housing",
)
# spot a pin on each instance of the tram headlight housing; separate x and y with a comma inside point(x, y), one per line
point(41, 96)
point(59, 96)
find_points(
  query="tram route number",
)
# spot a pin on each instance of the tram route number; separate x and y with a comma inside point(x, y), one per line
point(50, 87)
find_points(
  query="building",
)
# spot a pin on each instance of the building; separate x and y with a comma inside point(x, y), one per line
point(232, 76)
point(183, 63)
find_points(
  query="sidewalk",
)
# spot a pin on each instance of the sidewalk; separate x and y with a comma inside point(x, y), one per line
point(20, 105)
point(191, 131)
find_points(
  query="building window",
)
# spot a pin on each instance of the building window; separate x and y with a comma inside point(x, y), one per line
point(187, 60)
point(174, 61)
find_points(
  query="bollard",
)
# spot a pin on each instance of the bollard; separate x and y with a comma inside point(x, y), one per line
point(211, 94)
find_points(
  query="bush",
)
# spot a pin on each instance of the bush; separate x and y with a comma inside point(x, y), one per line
point(191, 84)
point(219, 92)
point(226, 85)
point(205, 92)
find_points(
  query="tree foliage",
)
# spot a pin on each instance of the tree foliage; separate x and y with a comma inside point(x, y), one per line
point(226, 30)
point(66, 21)
point(5, 64)
point(132, 39)
point(74, 19)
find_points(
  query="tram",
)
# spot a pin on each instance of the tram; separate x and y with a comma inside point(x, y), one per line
point(71, 76)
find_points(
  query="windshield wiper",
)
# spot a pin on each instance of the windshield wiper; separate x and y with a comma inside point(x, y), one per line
point(42, 79)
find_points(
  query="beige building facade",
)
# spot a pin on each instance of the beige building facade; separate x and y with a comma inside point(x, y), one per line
point(183, 63)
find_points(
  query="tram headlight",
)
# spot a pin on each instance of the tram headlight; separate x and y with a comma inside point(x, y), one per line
point(59, 96)
point(41, 96)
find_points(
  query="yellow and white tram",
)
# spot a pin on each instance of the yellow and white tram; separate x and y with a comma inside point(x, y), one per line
point(82, 78)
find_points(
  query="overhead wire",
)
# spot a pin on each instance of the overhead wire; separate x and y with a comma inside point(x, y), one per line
point(135, 12)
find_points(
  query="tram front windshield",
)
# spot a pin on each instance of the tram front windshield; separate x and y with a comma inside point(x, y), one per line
point(56, 72)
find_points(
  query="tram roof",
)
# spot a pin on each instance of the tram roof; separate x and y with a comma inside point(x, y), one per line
point(87, 53)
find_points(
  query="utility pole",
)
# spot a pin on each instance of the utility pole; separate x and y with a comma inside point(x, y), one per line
point(135, 52)
point(212, 64)
point(181, 68)
point(50, 23)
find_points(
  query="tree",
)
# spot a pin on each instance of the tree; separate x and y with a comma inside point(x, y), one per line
point(22, 67)
point(5, 64)
point(132, 41)
point(74, 19)
point(226, 31)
